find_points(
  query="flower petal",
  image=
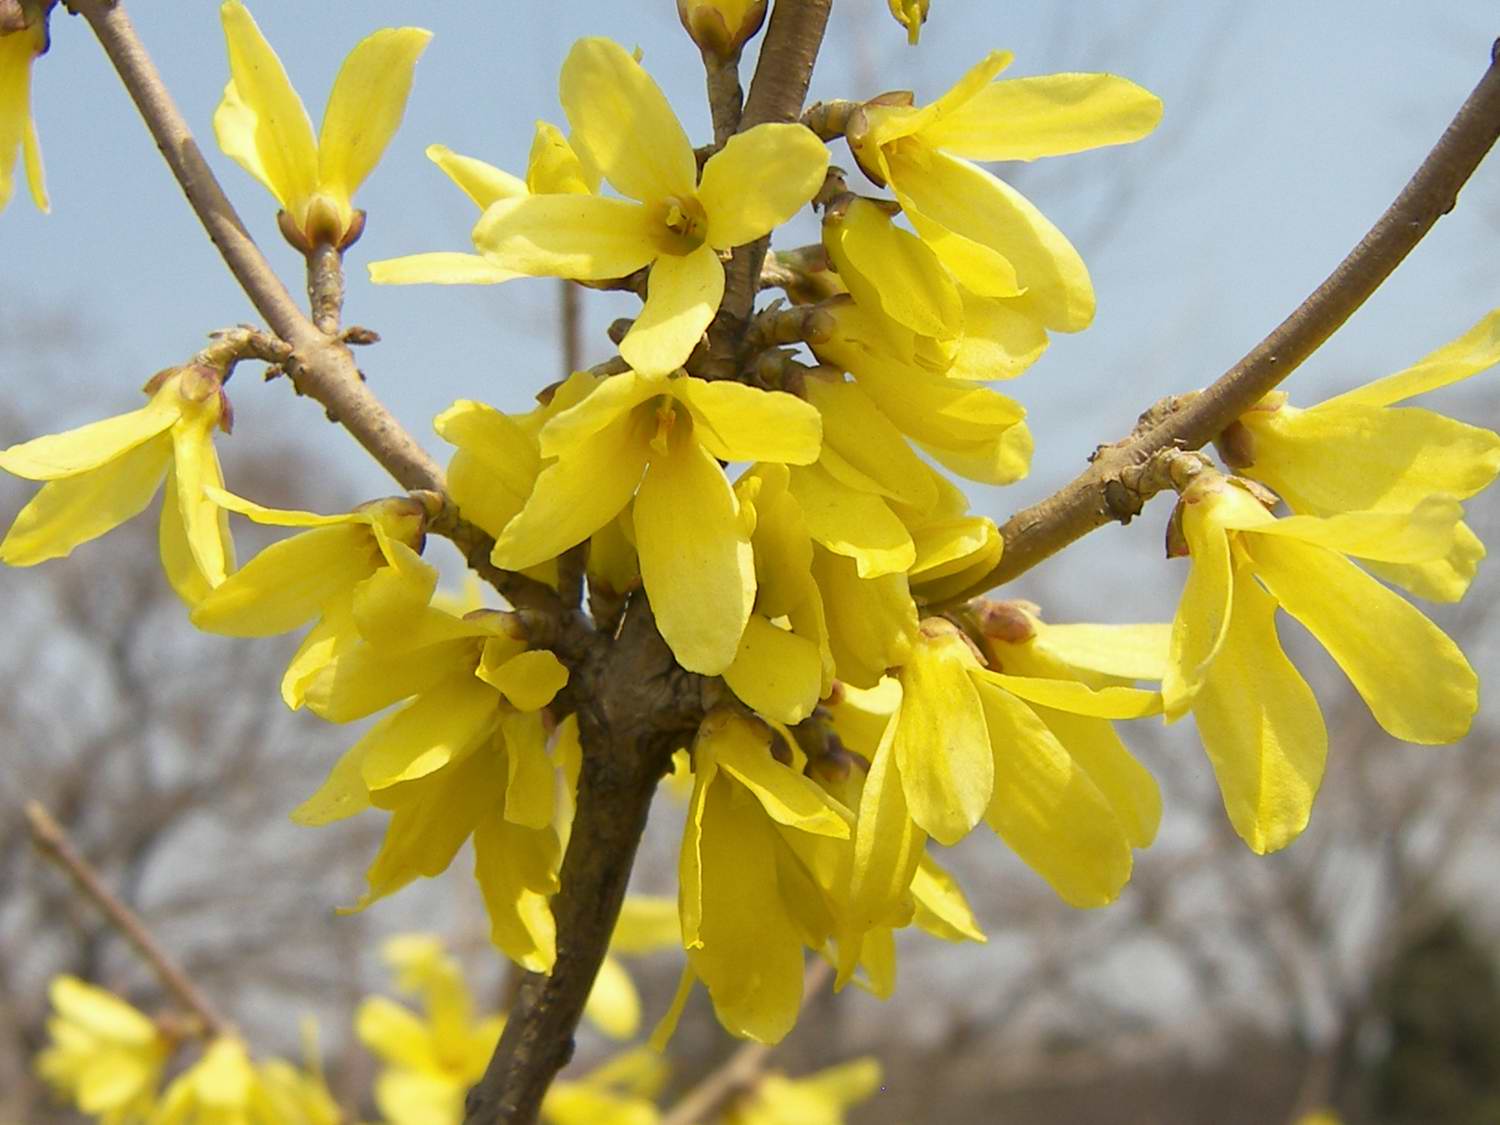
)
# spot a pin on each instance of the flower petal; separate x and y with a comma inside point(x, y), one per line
point(976, 205)
point(440, 267)
point(737, 422)
point(864, 449)
point(288, 583)
point(586, 237)
point(75, 509)
point(1260, 726)
point(92, 446)
point(1001, 339)
point(892, 270)
point(1415, 680)
point(439, 727)
point(1476, 350)
point(942, 747)
point(553, 167)
point(759, 180)
point(480, 181)
point(1202, 617)
point(696, 562)
point(872, 622)
point(682, 296)
point(787, 796)
point(576, 495)
point(750, 956)
point(366, 105)
point(528, 680)
point(195, 469)
point(1422, 535)
point(261, 123)
point(1077, 698)
point(853, 523)
point(623, 121)
point(1131, 652)
point(1126, 784)
point(1049, 115)
point(1048, 809)
point(776, 672)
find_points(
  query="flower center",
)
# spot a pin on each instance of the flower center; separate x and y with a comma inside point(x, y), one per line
point(681, 224)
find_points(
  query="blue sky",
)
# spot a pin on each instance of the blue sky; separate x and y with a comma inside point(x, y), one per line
point(1289, 127)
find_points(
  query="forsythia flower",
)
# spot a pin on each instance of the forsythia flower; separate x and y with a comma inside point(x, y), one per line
point(106, 1056)
point(695, 556)
point(262, 125)
point(470, 741)
point(816, 1099)
point(990, 236)
point(676, 222)
point(966, 744)
point(744, 894)
point(301, 1095)
point(18, 50)
point(554, 169)
point(1361, 451)
point(1258, 719)
point(101, 474)
point(221, 1088)
point(433, 1059)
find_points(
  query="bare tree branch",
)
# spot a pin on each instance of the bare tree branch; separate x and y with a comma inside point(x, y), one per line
point(53, 843)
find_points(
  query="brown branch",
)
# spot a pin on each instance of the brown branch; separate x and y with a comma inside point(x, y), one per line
point(635, 707)
point(52, 841)
point(776, 94)
point(725, 98)
point(325, 287)
point(570, 326)
point(740, 1070)
point(321, 368)
point(1095, 497)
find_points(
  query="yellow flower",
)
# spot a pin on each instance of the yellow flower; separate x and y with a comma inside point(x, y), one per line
point(694, 548)
point(993, 240)
point(910, 14)
point(18, 50)
point(101, 474)
point(106, 1056)
point(317, 574)
point(815, 1099)
point(745, 895)
point(262, 125)
point(780, 670)
point(1258, 719)
point(221, 1088)
point(966, 744)
point(466, 755)
point(431, 1060)
point(300, 1094)
point(677, 223)
point(554, 169)
point(1359, 451)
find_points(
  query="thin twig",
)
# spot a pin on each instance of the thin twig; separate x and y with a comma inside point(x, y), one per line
point(725, 98)
point(325, 287)
point(52, 841)
point(322, 367)
point(740, 1070)
point(1094, 498)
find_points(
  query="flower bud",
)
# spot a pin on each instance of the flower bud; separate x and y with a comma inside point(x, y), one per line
point(403, 518)
point(910, 14)
point(721, 26)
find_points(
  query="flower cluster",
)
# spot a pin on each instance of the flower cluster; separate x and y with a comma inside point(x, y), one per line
point(108, 1059)
point(764, 480)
